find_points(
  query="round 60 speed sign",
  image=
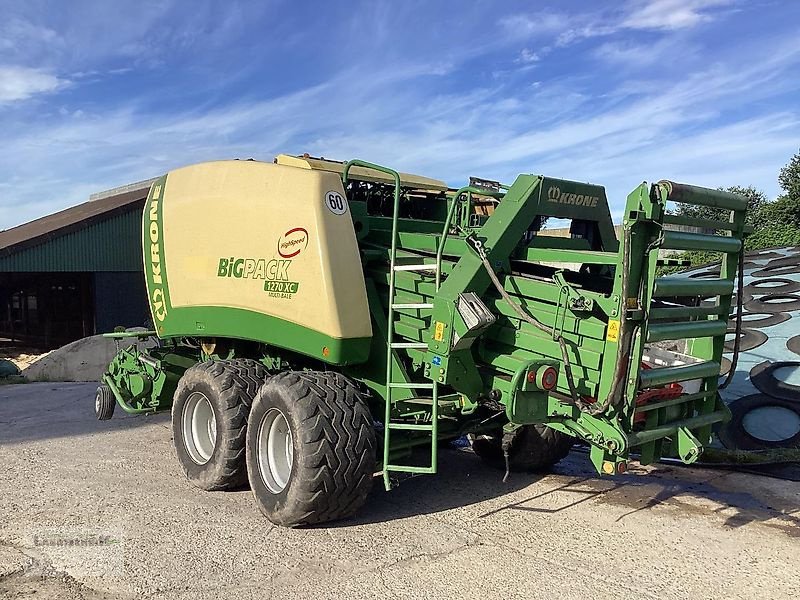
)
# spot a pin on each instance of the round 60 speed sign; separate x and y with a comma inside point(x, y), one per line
point(336, 203)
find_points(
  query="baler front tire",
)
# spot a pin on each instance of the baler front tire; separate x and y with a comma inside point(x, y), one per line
point(214, 459)
point(310, 448)
point(104, 403)
point(534, 448)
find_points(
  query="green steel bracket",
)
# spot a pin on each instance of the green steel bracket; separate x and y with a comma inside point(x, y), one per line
point(689, 447)
point(461, 373)
point(511, 427)
point(568, 299)
point(607, 463)
point(123, 403)
point(528, 402)
point(145, 381)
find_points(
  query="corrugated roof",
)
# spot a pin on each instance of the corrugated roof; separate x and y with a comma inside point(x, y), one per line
point(113, 242)
point(67, 221)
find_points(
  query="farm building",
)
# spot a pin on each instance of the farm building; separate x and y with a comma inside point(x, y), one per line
point(76, 272)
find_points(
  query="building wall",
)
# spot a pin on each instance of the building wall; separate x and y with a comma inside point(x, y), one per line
point(83, 279)
point(111, 244)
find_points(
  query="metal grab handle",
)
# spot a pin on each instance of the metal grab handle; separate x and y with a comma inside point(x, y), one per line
point(368, 165)
point(469, 190)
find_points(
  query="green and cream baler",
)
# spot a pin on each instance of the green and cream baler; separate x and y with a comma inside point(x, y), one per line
point(318, 323)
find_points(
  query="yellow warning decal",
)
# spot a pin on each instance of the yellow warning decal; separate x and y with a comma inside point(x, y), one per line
point(438, 331)
point(612, 335)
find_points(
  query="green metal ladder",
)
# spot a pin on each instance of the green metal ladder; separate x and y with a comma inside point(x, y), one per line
point(393, 383)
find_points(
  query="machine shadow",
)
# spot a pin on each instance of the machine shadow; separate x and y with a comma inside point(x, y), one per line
point(464, 480)
point(38, 411)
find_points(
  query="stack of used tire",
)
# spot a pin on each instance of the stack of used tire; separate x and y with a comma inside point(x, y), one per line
point(8, 369)
point(769, 418)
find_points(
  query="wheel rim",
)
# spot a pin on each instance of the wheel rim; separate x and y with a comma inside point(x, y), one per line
point(275, 453)
point(97, 402)
point(199, 428)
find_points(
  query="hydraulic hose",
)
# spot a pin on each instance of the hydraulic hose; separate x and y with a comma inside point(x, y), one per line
point(622, 363)
point(532, 321)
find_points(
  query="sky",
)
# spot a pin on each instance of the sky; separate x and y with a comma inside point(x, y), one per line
point(97, 94)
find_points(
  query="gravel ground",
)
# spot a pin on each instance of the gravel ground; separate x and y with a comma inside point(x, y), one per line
point(94, 509)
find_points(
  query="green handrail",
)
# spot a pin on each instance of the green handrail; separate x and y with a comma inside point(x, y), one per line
point(469, 190)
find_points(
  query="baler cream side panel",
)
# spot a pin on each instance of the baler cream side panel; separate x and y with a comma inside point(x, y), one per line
point(296, 258)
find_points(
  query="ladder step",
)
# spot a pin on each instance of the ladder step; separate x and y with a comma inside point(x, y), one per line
point(681, 240)
point(409, 469)
point(686, 286)
point(663, 375)
point(688, 329)
point(410, 427)
point(429, 402)
point(409, 345)
point(423, 305)
point(411, 386)
point(415, 268)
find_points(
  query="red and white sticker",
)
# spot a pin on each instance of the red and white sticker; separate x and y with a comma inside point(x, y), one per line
point(292, 242)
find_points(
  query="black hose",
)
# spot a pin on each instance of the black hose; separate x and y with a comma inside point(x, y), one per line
point(539, 325)
point(622, 363)
point(737, 340)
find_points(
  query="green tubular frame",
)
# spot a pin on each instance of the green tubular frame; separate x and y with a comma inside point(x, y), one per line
point(604, 367)
point(469, 190)
point(123, 404)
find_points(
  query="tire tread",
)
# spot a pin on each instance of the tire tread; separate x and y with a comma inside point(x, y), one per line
point(335, 467)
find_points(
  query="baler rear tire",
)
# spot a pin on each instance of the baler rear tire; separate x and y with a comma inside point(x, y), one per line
point(229, 388)
point(534, 448)
point(331, 438)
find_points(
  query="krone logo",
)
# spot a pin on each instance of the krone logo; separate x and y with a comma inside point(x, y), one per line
point(554, 195)
point(292, 242)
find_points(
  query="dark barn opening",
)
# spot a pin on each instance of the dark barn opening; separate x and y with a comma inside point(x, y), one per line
point(76, 272)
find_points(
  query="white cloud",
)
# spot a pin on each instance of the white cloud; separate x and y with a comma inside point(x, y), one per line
point(17, 34)
point(632, 15)
point(657, 129)
point(21, 83)
point(528, 56)
point(632, 55)
point(670, 14)
point(533, 25)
